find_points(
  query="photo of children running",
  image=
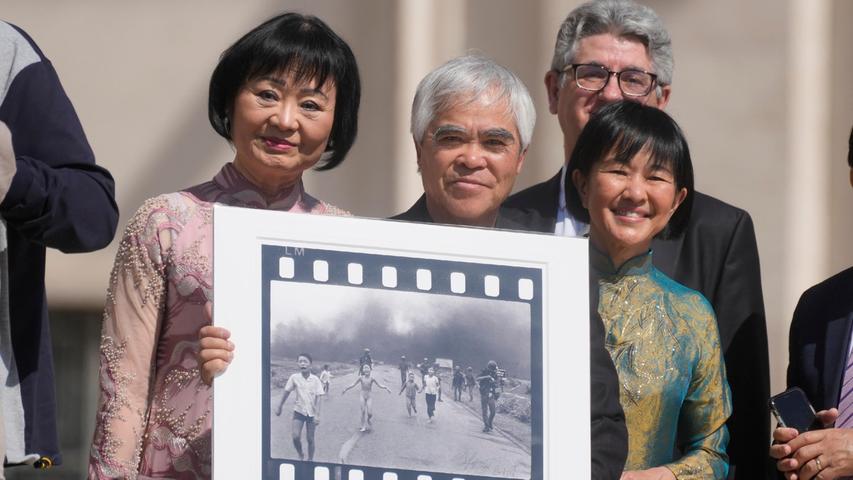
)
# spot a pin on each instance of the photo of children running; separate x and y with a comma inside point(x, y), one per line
point(367, 383)
point(411, 388)
point(354, 346)
point(306, 411)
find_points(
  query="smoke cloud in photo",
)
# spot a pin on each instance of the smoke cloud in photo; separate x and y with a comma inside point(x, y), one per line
point(335, 323)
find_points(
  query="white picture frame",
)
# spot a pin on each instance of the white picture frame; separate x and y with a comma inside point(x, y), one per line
point(283, 281)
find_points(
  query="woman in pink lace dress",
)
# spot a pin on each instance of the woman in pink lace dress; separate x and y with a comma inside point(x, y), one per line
point(286, 96)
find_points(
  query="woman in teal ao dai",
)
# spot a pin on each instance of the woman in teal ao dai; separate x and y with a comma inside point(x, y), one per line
point(631, 173)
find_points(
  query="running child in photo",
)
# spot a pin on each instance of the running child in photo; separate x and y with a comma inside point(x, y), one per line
point(367, 383)
point(431, 389)
point(411, 388)
point(306, 411)
point(326, 378)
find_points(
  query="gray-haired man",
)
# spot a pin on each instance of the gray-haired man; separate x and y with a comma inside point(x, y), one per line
point(472, 121)
point(613, 50)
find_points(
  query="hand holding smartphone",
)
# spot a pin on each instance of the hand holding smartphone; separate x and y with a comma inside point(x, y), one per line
point(793, 410)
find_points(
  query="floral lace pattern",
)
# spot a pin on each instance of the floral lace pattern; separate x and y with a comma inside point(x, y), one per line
point(154, 414)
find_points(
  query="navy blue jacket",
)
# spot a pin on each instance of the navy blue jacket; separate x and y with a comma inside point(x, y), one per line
point(820, 339)
point(59, 199)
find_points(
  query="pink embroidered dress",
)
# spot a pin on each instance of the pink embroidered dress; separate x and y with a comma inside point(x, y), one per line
point(154, 414)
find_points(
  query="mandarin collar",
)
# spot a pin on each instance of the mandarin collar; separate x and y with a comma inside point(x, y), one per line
point(237, 186)
point(601, 263)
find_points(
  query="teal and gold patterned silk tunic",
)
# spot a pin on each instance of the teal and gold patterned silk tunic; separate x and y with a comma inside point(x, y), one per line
point(664, 342)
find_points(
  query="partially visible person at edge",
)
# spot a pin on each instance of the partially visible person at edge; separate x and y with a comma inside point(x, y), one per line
point(52, 194)
point(631, 180)
point(614, 50)
point(472, 122)
point(820, 362)
point(286, 96)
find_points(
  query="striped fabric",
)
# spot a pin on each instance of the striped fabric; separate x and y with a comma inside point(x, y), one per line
point(4, 335)
point(845, 399)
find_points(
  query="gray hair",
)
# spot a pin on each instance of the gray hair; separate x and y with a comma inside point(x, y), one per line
point(622, 18)
point(467, 79)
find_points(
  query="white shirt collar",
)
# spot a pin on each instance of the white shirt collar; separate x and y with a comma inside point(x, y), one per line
point(567, 225)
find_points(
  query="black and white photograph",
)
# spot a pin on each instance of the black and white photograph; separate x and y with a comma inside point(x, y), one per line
point(390, 355)
point(402, 380)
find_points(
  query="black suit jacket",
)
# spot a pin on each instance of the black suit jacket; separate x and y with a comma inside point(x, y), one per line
point(609, 446)
point(419, 213)
point(820, 338)
point(718, 256)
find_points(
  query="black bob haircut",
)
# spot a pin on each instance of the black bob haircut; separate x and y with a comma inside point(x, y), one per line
point(624, 129)
point(304, 46)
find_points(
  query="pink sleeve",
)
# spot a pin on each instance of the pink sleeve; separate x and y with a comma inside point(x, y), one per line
point(132, 317)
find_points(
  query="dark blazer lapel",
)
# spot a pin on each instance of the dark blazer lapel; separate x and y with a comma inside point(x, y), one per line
point(417, 213)
point(506, 221)
point(535, 208)
point(837, 344)
point(666, 254)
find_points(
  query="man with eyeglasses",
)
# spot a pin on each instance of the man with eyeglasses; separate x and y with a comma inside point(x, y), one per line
point(614, 50)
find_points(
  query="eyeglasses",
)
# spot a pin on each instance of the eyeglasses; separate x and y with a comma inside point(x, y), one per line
point(632, 82)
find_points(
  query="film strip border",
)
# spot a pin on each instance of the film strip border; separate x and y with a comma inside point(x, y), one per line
point(305, 471)
point(367, 270)
point(498, 282)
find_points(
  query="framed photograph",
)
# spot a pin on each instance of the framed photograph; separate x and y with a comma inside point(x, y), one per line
point(391, 350)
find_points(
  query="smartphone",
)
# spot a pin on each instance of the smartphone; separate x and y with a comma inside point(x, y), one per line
point(793, 410)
